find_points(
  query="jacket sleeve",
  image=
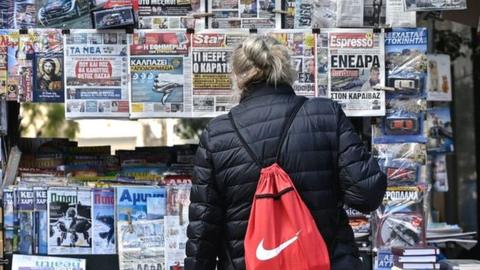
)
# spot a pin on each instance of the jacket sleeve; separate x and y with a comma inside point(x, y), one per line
point(362, 183)
point(205, 213)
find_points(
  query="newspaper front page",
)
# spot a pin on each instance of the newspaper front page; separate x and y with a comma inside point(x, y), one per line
point(244, 14)
point(397, 16)
point(301, 44)
point(426, 5)
point(96, 74)
point(170, 14)
point(213, 90)
point(356, 66)
point(29, 262)
point(159, 67)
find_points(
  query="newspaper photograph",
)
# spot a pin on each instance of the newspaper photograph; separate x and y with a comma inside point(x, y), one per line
point(426, 5)
point(29, 262)
point(159, 66)
point(302, 50)
point(439, 78)
point(171, 14)
point(356, 68)
point(257, 14)
point(65, 14)
point(311, 14)
point(96, 74)
point(213, 90)
point(176, 222)
point(382, 13)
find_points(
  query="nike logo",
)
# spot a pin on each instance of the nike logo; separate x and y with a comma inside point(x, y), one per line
point(267, 254)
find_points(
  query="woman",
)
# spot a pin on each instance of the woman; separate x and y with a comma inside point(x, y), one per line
point(322, 154)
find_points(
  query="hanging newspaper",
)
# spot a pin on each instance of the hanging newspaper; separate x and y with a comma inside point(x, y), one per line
point(425, 5)
point(66, 14)
point(6, 10)
point(322, 64)
point(244, 14)
point(171, 14)
point(176, 222)
point(439, 78)
point(96, 74)
point(159, 64)
point(26, 262)
point(213, 89)
point(24, 14)
point(69, 221)
point(396, 16)
point(20, 52)
point(301, 44)
point(140, 227)
point(355, 69)
point(311, 14)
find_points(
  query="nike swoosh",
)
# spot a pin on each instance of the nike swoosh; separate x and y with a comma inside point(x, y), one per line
point(267, 254)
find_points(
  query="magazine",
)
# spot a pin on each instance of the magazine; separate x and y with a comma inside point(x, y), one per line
point(248, 14)
point(301, 44)
point(40, 221)
point(439, 80)
point(103, 231)
point(171, 14)
point(400, 220)
point(8, 221)
point(439, 130)
point(359, 221)
point(406, 62)
point(48, 82)
point(4, 37)
point(213, 90)
point(25, 204)
point(65, 14)
point(19, 61)
point(159, 66)
point(356, 71)
point(96, 74)
point(176, 222)
point(25, 262)
point(70, 224)
point(428, 5)
point(138, 203)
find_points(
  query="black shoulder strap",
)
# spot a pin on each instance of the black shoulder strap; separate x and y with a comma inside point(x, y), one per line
point(285, 129)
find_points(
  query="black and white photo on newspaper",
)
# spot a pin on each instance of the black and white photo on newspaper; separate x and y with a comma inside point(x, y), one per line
point(425, 5)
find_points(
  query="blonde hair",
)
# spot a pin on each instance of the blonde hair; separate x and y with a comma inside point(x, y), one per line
point(261, 59)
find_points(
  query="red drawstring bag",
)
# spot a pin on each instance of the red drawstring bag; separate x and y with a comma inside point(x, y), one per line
point(281, 232)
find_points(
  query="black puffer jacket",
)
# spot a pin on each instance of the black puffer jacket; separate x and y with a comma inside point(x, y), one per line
point(322, 154)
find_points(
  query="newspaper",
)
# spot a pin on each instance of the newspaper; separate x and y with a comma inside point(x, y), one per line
point(248, 14)
point(301, 44)
point(103, 221)
point(322, 64)
point(425, 5)
point(355, 68)
point(176, 222)
point(350, 13)
point(171, 14)
point(439, 78)
point(19, 67)
point(66, 14)
point(159, 63)
point(3, 61)
point(26, 262)
point(213, 90)
point(396, 16)
point(141, 245)
point(311, 14)
point(96, 74)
